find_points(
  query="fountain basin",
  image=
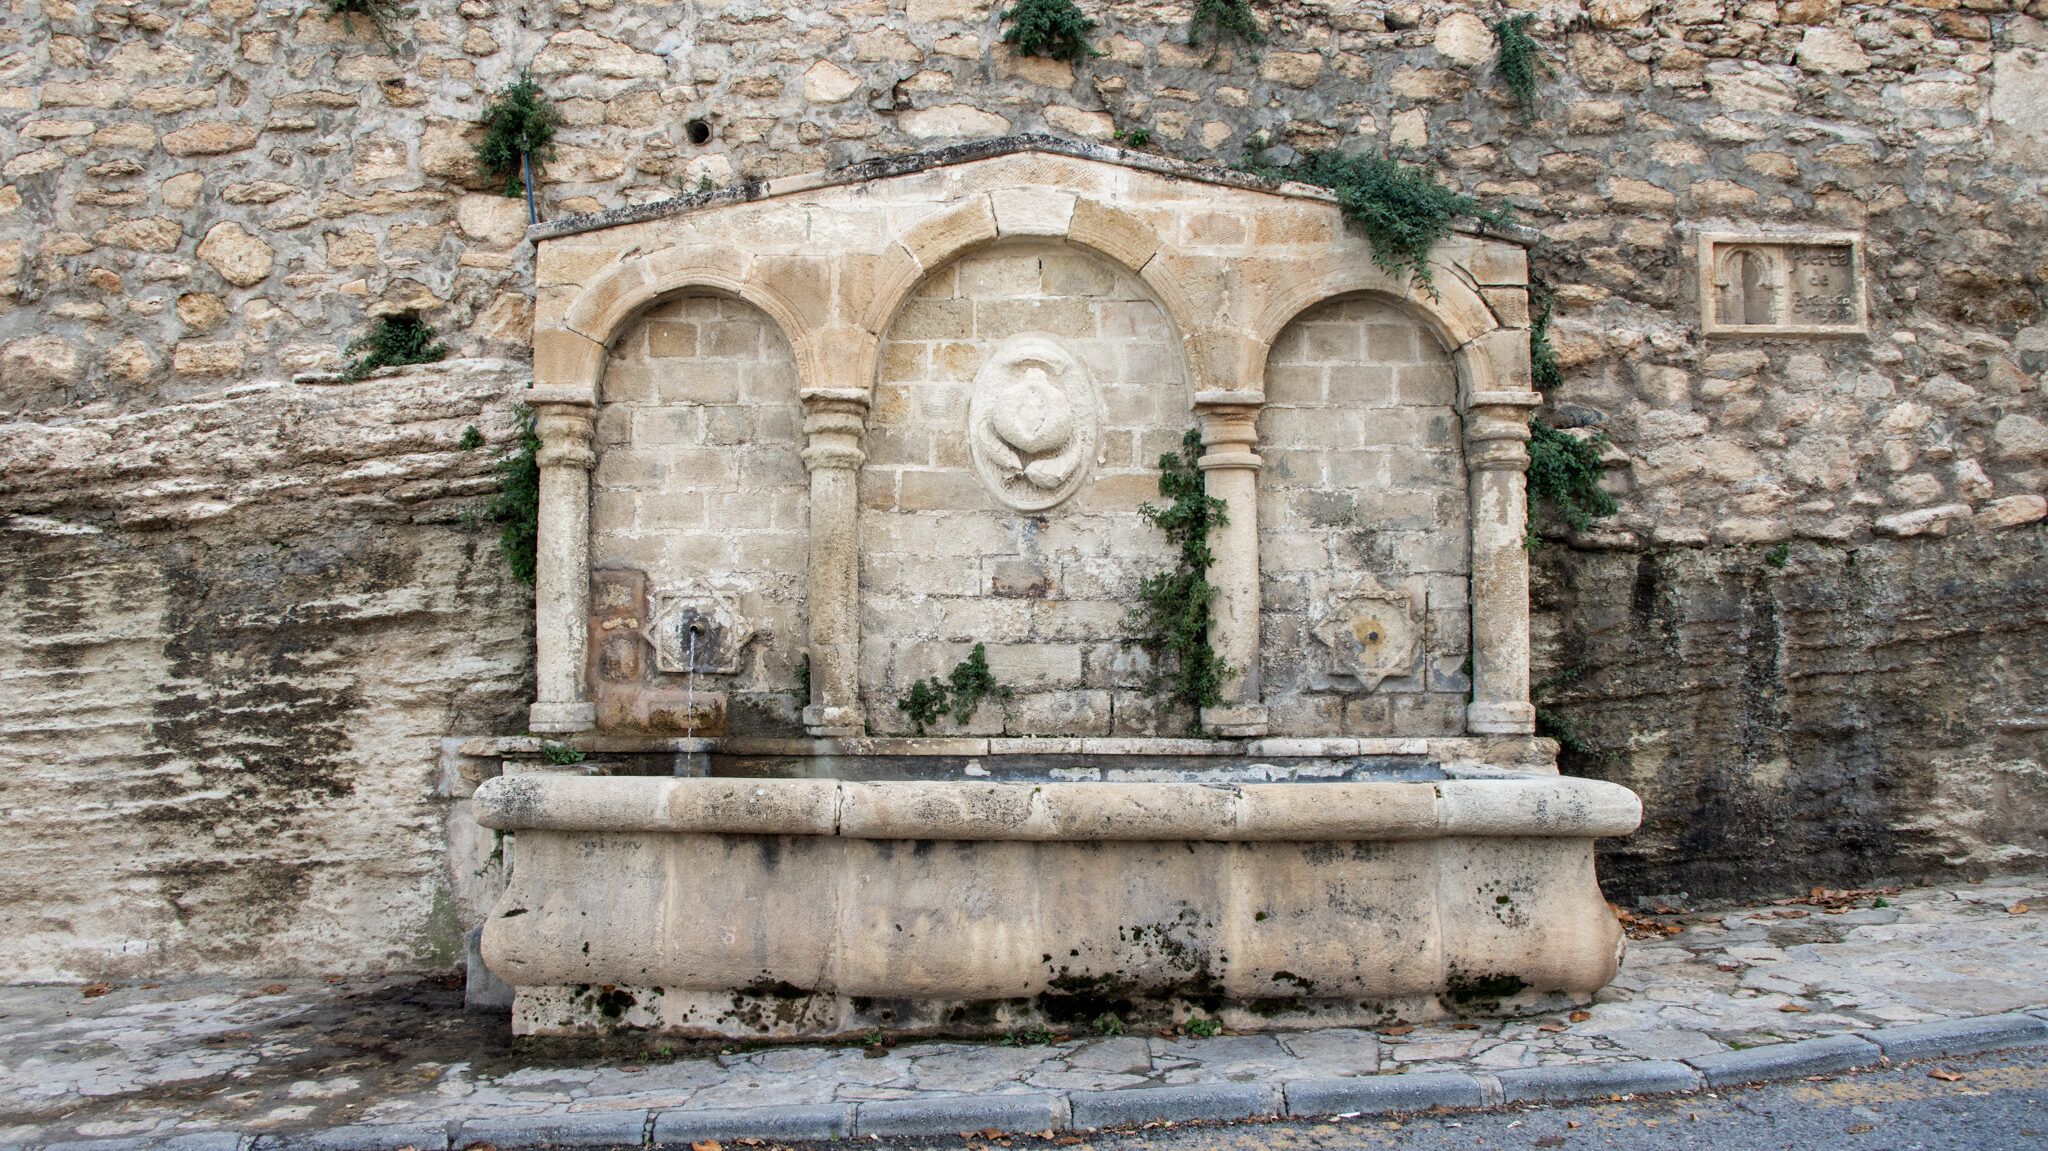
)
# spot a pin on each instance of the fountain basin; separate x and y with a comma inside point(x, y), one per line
point(818, 907)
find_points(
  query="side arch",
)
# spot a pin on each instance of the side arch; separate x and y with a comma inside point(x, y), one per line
point(1459, 319)
point(608, 305)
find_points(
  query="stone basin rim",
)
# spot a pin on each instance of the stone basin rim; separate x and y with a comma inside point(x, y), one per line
point(1496, 806)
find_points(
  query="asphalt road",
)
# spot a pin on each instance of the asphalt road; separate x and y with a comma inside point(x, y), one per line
point(2000, 1102)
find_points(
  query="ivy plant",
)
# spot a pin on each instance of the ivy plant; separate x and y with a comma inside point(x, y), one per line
point(964, 688)
point(1543, 369)
point(392, 341)
point(1564, 472)
point(1052, 28)
point(519, 126)
point(1225, 18)
point(1398, 206)
point(1175, 608)
point(516, 510)
point(1518, 63)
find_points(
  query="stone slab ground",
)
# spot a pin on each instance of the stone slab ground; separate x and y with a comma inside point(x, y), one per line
point(1735, 995)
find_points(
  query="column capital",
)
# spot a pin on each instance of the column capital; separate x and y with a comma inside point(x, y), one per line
point(1230, 430)
point(832, 430)
point(564, 430)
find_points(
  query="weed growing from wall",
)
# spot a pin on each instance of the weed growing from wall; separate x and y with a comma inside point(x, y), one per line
point(964, 688)
point(1543, 369)
point(1565, 472)
point(1398, 206)
point(1551, 723)
point(1518, 63)
point(1053, 28)
point(1225, 18)
point(519, 125)
point(1175, 608)
point(392, 341)
point(516, 510)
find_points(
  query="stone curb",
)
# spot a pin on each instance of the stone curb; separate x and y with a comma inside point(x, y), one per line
point(1083, 1110)
point(821, 1122)
point(1787, 1060)
point(1173, 1104)
point(1567, 1082)
point(954, 1114)
point(1383, 1094)
point(1960, 1036)
point(359, 1137)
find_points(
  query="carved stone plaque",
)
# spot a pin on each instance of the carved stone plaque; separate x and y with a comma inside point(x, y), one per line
point(1782, 285)
point(1033, 422)
point(692, 629)
point(1373, 635)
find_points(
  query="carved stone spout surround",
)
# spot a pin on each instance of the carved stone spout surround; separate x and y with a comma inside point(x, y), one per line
point(1020, 418)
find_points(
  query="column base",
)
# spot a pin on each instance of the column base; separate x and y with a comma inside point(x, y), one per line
point(834, 722)
point(1238, 721)
point(1500, 718)
point(545, 716)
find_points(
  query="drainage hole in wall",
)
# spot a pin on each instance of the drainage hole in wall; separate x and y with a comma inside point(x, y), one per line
point(698, 131)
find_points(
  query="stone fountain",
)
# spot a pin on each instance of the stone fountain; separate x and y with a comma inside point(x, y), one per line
point(808, 443)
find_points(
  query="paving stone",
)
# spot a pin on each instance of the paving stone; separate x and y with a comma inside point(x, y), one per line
point(360, 1137)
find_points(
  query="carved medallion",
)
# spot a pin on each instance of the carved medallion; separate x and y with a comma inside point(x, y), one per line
point(1033, 422)
point(1373, 635)
point(692, 629)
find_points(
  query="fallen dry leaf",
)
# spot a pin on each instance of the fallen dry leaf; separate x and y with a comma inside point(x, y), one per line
point(986, 1133)
point(2016, 909)
point(1579, 1016)
point(707, 1145)
point(95, 990)
point(1550, 1141)
point(1789, 1007)
point(1398, 1029)
point(1552, 1027)
point(480, 1146)
point(1789, 913)
point(1571, 1122)
point(1945, 1075)
point(274, 989)
point(1860, 1128)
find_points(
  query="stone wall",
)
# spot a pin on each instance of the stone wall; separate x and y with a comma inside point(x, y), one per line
point(238, 632)
point(1850, 716)
point(1364, 481)
point(699, 484)
point(944, 566)
point(195, 195)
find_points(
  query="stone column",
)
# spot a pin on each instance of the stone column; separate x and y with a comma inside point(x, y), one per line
point(1497, 465)
point(833, 423)
point(562, 569)
point(1230, 472)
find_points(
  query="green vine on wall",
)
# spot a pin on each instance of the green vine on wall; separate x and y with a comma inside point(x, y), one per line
point(964, 688)
point(1554, 724)
point(1175, 609)
point(1225, 18)
point(1543, 369)
point(519, 125)
point(391, 342)
point(1401, 210)
point(1565, 472)
point(1519, 61)
point(516, 510)
point(1052, 28)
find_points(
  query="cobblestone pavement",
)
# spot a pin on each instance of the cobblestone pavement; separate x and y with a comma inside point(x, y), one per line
point(150, 1061)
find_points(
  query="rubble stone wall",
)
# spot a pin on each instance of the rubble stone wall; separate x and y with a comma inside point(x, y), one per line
point(196, 196)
